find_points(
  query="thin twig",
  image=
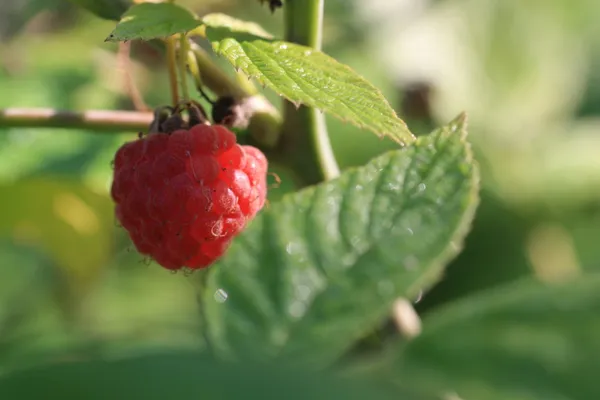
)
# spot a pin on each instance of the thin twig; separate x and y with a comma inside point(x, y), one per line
point(99, 120)
point(172, 67)
point(124, 61)
point(204, 95)
point(183, 55)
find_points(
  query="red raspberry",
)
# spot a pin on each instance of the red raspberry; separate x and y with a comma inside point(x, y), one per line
point(183, 197)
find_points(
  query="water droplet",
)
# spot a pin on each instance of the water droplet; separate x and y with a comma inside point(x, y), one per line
point(221, 296)
point(410, 231)
point(419, 297)
point(358, 188)
point(307, 53)
point(421, 187)
point(283, 47)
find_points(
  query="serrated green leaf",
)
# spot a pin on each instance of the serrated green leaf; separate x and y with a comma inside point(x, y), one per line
point(106, 9)
point(148, 21)
point(316, 271)
point(525, 341)
point(306, 76)
point(179, 376)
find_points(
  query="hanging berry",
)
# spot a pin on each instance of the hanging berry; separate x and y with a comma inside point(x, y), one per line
point(183, 193)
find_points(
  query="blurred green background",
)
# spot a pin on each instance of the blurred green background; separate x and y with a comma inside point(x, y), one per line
point(527, 72)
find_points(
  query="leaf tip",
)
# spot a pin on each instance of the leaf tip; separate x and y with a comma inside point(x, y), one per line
point(459, 124)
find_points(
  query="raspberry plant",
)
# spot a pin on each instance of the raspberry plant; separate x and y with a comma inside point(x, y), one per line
point(307, 281)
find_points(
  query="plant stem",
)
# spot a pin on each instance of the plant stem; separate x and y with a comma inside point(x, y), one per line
point(100, 120)
point(194, 70)
point(124, 61)
point(265, 123)
point(183, 51)
point(304, 22)
point(304, 136)
point(172, 67)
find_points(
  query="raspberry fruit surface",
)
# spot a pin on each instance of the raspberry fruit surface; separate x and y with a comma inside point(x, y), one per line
point(184, 196)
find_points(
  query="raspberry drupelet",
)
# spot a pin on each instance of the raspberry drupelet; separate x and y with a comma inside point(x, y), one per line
point(184, 196)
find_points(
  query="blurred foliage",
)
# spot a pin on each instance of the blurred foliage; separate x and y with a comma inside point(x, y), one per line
point(177, 375)
point(527, 72)
point(525, 341)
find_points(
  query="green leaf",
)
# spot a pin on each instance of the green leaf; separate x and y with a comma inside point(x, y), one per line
point(148, 21)
point(307, 76)
point(106, 9)
point(178, 375)
point(222, 25)
point(521, 341)
point(316, 271)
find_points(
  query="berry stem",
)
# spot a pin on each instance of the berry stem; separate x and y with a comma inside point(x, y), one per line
point(172, 67)
point(97, 120)
point(183, 51)
point(305, 138)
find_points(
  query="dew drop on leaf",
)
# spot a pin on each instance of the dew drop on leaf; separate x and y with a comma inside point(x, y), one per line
point(220, 296)
point(419, 297)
